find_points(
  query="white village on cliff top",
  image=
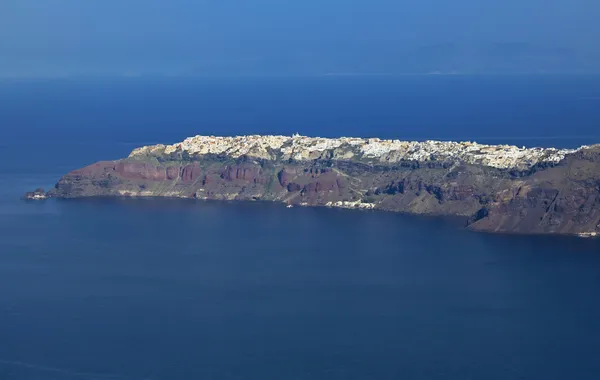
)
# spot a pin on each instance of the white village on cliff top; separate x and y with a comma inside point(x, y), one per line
point(302, 148)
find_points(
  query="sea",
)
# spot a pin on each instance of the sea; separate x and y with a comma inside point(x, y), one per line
point(140, 289)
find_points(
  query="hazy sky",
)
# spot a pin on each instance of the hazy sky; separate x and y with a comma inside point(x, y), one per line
point(45, 37)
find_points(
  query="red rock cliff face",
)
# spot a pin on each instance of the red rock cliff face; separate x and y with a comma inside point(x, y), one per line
point(142, 171)
point(190, 173)
point(564, 198)
point(134, 170)
point(325, 186)
point(241, 173)
point(173, 172)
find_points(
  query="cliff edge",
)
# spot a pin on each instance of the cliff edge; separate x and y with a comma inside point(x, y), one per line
point(496, 188)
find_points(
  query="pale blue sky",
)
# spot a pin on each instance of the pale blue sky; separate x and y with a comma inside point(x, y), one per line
point(48, 37)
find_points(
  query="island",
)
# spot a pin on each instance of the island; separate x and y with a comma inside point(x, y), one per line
point(494, 188)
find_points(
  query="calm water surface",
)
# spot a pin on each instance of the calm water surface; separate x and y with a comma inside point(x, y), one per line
point(178, 289)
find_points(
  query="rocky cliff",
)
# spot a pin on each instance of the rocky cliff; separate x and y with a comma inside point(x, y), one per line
point(497, 188)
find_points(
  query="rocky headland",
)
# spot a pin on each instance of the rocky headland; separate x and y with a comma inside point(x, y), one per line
point(35, 195)
point(496, 188)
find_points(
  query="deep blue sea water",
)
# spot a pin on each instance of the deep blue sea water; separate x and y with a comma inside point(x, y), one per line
point(178, 289)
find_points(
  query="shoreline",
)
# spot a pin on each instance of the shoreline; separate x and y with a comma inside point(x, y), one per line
point(459, 221)
point(495, 188)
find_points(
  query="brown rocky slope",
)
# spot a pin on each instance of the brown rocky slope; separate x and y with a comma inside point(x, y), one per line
point(546, 195)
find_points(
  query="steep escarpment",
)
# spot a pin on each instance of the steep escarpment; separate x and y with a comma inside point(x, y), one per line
point(495, 188)
point(561, 199)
